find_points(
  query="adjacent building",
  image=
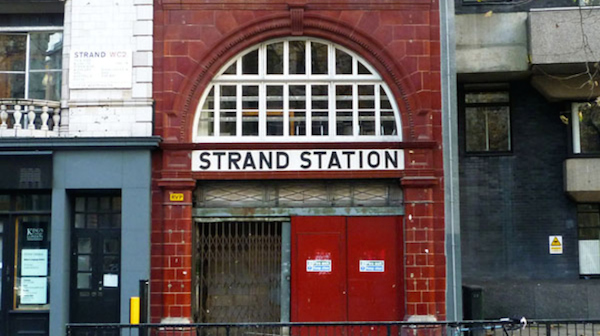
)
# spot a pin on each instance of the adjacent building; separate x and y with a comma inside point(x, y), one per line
point(300, 173)
point(76, 124)
point(528, 147)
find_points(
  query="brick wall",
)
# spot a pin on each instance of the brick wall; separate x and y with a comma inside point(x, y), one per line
point(194, 39)
point(510, 204)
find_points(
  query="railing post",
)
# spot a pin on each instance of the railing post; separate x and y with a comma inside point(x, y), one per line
point(45, 117)
point(548, 331)
point(17, 117)
point(3, 117)
point(30, 116)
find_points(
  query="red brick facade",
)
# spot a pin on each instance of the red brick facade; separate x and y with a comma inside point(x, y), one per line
point(399, 38)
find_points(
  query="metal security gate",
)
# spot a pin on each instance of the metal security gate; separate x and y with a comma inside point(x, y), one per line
point(238, 271)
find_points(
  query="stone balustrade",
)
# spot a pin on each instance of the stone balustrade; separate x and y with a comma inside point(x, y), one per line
point(29, 118)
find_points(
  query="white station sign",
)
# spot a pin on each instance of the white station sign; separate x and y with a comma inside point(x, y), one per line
point(297, 160)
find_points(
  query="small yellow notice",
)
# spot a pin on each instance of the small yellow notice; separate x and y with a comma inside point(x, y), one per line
point(556, 244)
point(176, 197)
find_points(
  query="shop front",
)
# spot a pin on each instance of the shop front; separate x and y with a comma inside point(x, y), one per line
point(300, 174)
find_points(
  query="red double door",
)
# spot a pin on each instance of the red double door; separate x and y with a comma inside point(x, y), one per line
point(347, 269)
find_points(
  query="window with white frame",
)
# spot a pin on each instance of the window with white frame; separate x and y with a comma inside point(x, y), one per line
point(297, 90)
point(585, 123)
point(30, 65)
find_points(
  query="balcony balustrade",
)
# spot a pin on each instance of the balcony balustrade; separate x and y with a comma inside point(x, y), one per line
point(29, 118)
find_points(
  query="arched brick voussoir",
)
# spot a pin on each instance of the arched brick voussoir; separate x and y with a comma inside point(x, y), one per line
point(278, 26)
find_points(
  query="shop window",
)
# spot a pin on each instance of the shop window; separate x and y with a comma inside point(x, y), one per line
point(32, 278)
point(588, 221)
point(585, 125)
point(487, 120)
point(30, 65)
point(297, 90)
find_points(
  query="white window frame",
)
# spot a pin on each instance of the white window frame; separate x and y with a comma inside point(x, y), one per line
point(330, 79)
point(28, 72)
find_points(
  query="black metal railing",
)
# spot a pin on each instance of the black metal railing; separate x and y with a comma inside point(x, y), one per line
point(468, 328)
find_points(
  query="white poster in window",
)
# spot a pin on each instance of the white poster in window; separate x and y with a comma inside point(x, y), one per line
point(110, 280)
point(34, 262)
point(34, 290)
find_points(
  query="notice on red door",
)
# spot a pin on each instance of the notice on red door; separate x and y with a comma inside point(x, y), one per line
point(318, 266)
point(372, 266)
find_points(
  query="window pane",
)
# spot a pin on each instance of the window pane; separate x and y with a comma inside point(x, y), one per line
point(343, 63)
point(486, 97)
point(111, 264)
point(250, 110)
point(231, 70)
point(206, 124)
point(498, 128)
point(250, 63)
point(319, 58)
point(84, 245)
point(84, 280)
point(297, 57)
point(588, 219)
point(275, 58)
point(475, 133)
point(79, 204)
point(12, 85)
point(362, 69)
point(4, 202)
point(111, 246)
point(343, 109)
point(366, 109)
point(274, 110)
point(79, 221)
point(92, 221)
point(320, 110)
point(228, 112)
point(46, 51)
point(45, 85)
point(12, 52)
point(589, 129)
point(116, 202)
point(84, 263)
point(297, 101)
point(388, 119)
point(34, 202)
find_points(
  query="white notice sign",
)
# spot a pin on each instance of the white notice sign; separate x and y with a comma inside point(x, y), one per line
point(100, 69)
point(34, 262)
point(318, 265)
point(556, 244)
point(110, 280)
point(34, 290)
point(372, 266)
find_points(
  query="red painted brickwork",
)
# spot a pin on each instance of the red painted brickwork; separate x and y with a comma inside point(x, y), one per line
point(193, 39)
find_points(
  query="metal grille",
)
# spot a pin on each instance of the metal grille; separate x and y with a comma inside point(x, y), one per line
point(323, 193)
point(238, 272)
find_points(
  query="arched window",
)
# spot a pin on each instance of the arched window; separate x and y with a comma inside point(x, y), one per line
point(297, 90)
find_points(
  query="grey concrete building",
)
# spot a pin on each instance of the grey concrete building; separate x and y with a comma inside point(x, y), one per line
point(528, 140)
point(75, 146)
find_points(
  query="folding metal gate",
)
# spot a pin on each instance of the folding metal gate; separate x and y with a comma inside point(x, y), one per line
point(238, 271)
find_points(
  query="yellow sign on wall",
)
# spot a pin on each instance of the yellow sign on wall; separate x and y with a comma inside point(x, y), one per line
point(176, 197)
point(556, 244)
